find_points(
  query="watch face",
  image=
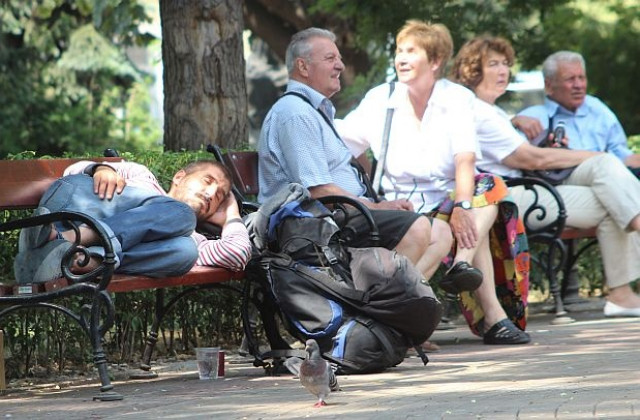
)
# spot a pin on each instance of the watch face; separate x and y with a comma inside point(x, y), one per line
point(466, 205)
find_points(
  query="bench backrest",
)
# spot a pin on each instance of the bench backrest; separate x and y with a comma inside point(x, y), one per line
point(243, 166)
point(22, 182)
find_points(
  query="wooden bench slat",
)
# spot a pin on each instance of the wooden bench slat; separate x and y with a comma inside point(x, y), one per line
point(128, 283)
point(6, 289)
point(24, 181)
point(197, 276)
point(575, 233)
point(3, 383)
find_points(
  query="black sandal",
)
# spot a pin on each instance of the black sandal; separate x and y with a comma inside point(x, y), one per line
point(462, 277)
point(505, 332)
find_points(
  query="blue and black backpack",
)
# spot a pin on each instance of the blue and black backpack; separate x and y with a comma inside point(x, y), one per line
point(364, 306)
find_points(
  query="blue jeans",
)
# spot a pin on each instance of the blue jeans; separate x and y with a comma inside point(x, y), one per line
point(151, 233)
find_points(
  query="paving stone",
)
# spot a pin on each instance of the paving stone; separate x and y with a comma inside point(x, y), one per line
point(584, 370)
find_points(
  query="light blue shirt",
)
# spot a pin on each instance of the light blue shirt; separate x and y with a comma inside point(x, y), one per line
point(297, 145)
point(592, 127)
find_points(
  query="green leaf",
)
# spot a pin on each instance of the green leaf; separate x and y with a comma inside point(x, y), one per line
point(92, 53)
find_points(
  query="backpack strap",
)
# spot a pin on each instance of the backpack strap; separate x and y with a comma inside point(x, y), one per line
point(320, 280)
point(388, 347)
point(382, 338)
point(351, 294)
point(421, 353)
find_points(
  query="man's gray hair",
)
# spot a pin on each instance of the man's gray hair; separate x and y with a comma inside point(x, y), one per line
point(550, 65)
point(299, 47)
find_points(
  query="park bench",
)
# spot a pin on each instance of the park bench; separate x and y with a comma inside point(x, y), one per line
point(562, 243)
point(22, 183)
point(562, 251)
point(557, 260)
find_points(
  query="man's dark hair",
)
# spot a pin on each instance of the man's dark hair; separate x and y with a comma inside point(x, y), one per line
point(201, 164)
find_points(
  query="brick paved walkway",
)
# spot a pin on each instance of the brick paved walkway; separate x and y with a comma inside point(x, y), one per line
point(588, 369)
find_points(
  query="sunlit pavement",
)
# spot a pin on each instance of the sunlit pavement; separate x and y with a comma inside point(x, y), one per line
point(586, 369)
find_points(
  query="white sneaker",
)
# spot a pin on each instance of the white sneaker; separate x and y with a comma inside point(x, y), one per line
point(611, 309)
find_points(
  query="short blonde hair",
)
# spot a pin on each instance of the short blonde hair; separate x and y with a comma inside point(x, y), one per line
point(434, 38)
point(467, 67)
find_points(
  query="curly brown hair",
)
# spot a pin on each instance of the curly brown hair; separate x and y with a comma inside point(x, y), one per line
point(434, 38)
point(467, 66)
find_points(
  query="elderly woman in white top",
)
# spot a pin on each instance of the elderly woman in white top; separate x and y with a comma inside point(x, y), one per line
point(600, 192)
point(430, 161)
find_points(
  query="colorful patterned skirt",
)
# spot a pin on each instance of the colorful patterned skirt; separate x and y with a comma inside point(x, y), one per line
point(509, 250)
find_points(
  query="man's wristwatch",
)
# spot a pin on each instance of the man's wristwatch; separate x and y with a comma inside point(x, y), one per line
point(464, 204)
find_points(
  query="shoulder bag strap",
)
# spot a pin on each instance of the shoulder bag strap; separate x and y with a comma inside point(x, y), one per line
point(324, 117)
point(379, 169)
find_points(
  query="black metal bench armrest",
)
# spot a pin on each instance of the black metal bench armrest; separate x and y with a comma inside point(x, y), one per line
point(340, 202)
point(537, 212)
point(104, 271)
point(249, 207)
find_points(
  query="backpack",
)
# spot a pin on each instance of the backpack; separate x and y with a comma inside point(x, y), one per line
point(342, 296)
point(315, 305)
point(363, 345)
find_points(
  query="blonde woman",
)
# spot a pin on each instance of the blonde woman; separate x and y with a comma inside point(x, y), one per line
point(430, 161)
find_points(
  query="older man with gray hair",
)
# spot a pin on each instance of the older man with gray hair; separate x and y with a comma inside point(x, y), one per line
point(614, 207)
point(299, 144)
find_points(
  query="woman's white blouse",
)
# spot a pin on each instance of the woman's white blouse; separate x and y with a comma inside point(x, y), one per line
point(420, 158)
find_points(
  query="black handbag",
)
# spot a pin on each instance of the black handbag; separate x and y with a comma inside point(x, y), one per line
point(552, 176)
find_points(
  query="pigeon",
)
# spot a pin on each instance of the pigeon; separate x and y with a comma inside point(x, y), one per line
point(316, 374)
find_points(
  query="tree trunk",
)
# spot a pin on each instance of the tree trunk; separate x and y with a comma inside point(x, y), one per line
point(205, 94)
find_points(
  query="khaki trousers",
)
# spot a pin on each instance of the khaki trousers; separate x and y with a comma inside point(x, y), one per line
point(601, 192)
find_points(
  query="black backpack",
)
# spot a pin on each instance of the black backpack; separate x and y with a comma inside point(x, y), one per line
point(363, 345)
point(364, 306)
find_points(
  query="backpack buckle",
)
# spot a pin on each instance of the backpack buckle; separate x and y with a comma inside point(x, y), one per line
point(329, 255)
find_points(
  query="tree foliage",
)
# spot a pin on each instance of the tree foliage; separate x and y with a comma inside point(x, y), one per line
point(68, 86)
point(605, 32)
point(64, 75)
